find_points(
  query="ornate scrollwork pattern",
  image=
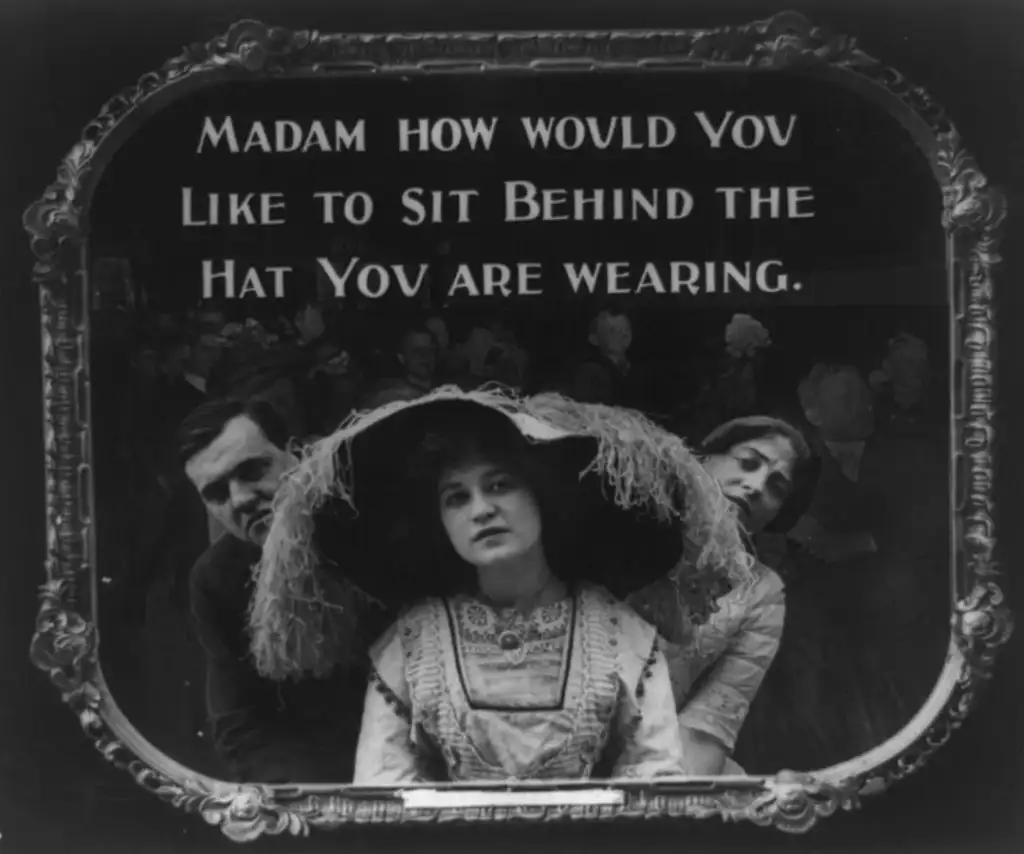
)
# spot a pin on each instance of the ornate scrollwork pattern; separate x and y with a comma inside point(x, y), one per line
point(65, 641)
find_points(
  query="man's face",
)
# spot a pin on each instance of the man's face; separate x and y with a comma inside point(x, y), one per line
point(907, 365)
point(845, 408)
point(418, 353)
point(613, 335)
point(237, 475)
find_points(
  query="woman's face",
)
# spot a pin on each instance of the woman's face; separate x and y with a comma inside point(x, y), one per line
point(757, 475)
point(489, 514)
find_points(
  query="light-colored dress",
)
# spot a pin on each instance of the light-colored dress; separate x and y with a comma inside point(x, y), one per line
point(717, 671)
point(450, 700)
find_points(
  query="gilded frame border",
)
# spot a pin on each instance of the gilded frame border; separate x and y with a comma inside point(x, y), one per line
point(65, 644)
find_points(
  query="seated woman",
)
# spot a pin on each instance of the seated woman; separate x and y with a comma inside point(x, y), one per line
point(765, 467)
point(502, 530)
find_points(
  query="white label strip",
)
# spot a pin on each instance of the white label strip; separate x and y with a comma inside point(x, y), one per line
point(423, 799)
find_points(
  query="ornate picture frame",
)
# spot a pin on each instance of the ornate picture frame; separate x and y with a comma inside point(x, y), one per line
point(66, 641)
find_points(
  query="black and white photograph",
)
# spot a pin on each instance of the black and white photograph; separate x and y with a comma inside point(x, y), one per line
point(701, 299)
point(509, 427)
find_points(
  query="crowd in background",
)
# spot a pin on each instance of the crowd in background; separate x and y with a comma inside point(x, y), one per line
point(877, 419)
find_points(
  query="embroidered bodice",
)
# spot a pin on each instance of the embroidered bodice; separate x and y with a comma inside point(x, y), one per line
point(490, 648)
point(463, 691)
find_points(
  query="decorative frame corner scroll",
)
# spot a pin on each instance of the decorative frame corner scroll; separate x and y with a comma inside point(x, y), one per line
point(65, 643)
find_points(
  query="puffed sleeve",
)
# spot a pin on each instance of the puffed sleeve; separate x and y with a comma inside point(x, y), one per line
point(720, 705)
point(647, 732)
point(386, 754)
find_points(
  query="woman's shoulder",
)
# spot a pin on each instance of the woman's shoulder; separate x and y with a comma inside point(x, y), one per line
point(596, 595)
point(623, 617)
point(765, 592)
point(766, 584)
point(408, 625)
point(765, 587)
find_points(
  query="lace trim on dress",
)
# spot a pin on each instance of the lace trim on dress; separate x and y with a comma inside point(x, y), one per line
point(599, 639)
point(479, 625)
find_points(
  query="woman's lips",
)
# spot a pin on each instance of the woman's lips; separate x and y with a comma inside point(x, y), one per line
point(489, 532)
point(742, 504)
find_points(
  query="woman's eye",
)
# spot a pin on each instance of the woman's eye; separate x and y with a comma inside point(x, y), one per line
point(750, 463)
point(454, 499)
point(500, 485)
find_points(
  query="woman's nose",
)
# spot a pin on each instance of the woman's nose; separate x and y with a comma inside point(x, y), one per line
point(481, 507)
point(753, 486)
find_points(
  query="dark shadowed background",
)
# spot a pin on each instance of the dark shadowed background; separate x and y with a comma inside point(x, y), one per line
point(64, 59)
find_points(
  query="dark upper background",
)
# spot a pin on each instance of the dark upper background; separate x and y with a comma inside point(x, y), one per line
point(64, 59)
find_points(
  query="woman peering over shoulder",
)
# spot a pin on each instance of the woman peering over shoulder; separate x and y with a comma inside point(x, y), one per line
point(504, 530)
point(766, 468)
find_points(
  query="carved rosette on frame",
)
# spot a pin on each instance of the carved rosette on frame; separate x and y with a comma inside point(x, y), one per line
point(65, 643)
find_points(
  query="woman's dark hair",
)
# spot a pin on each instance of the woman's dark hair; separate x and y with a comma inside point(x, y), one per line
point(806, 467)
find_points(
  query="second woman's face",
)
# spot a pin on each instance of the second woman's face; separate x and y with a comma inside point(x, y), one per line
point(757, 475)
point(489, 514)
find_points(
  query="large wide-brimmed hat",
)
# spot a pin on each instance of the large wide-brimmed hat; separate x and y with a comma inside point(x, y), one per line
point(357, 523)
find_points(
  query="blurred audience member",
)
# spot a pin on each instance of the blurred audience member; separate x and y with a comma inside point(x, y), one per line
point(902, 385)
point(728, 387)
point(875, 576)
point(492, 355)
point(415, 369)
point(602, 373)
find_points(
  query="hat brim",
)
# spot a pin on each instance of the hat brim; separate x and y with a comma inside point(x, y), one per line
point(382, 534)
